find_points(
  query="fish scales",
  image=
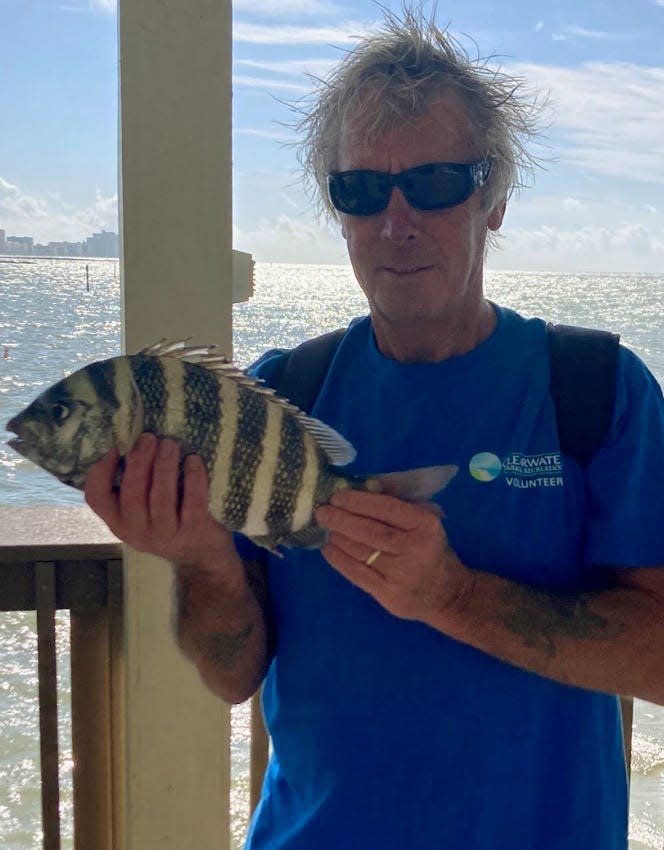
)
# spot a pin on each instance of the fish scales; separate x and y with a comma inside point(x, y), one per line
point(246, 456)
point(202, 411)
point(220, 469)
point(150, 380)
point(287, 480)
point(255, 522)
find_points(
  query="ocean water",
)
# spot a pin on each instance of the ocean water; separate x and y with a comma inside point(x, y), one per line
point(51, 324)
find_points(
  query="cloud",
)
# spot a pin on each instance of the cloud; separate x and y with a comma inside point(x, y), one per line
point(624, 248)
point(290, 35)
point(292, 67)
point(610, 116)
point(571, 32)
point(247, 81)
point(273, 135)
point(282, 8)
point(51, 218)
point(291, 239)
point(108, 7)
point(546, 232)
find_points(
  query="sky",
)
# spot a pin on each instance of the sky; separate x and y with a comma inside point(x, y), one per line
point(595, 205)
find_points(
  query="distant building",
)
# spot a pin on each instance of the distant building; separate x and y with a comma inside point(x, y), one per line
point(20, 244)
point(104, 244)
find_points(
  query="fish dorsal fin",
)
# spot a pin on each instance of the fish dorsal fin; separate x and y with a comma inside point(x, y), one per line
point(337, 450)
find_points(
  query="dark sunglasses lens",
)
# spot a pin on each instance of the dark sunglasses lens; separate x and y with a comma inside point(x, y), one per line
point(434, 187)
point(359, 192)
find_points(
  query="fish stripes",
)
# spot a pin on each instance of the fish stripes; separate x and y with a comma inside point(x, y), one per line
point(287, 479)
point(220, 469)
point(149, 376)
point(202, 411)
point(246, 456)
point(261, 493)
point(102, 377)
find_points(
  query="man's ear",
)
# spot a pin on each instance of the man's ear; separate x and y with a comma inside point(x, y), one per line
point(496, 216)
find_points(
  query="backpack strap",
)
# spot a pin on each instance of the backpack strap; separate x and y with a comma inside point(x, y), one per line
point(302, 371)
point(583, 364)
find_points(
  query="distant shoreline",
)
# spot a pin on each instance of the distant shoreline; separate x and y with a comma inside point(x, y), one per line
point(32, 258)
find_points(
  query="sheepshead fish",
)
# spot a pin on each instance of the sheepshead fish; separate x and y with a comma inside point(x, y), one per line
point(269, 464)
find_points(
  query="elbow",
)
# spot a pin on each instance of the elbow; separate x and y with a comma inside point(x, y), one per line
point(231, 691)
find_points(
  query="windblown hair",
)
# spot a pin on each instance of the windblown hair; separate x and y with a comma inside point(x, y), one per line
point(392, 76)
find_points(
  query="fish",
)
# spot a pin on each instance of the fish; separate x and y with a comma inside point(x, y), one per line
point(269, 464)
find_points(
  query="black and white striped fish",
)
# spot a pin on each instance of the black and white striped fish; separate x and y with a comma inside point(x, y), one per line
point(269, 464)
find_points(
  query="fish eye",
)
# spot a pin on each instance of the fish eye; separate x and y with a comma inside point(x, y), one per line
point(60, 412)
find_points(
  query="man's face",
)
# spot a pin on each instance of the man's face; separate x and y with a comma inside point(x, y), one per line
point(416, 265)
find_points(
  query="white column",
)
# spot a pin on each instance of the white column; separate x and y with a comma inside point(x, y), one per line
point(171, 738)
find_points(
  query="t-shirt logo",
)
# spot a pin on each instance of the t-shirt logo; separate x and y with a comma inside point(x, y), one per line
point(526, 472)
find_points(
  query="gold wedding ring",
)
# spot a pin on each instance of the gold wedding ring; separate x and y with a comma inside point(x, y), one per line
point(373, 557)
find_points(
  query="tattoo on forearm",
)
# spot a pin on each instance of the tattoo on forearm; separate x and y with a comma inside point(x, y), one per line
point(224, 647)
point(540, 616)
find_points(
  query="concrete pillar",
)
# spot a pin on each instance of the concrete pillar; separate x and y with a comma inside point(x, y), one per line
point(171, 736)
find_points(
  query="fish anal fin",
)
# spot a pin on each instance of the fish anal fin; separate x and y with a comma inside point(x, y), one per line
point(414, 485)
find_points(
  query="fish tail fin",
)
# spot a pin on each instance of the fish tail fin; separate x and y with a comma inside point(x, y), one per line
point(414, 485)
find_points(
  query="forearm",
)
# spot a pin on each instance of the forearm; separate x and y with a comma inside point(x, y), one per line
point(223, 626)
point(606, 641)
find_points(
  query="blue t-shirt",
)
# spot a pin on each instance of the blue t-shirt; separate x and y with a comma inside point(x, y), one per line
point(387, 734)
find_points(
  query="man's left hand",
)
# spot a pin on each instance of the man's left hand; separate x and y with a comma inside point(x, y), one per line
point(416, 576)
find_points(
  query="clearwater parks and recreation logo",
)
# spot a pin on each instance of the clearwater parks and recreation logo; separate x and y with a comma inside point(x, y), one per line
point(519, 470)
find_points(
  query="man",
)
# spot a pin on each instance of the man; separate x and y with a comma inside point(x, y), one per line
point(431, 684)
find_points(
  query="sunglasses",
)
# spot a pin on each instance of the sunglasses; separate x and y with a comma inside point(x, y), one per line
point(434, 186)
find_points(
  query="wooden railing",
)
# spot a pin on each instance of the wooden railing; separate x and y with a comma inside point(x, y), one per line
point(56, 558)
point(64, 558)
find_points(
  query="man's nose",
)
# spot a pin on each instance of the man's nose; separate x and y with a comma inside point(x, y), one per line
point(400, 220)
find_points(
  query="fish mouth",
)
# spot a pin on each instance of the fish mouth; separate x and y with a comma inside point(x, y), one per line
point(18, 444)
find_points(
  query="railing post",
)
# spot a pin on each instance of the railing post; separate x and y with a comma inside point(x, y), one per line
point(48, 703)
point(91, 728)
point(258, 753)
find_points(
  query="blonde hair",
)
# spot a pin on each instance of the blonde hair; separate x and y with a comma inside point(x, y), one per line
point(395, 74)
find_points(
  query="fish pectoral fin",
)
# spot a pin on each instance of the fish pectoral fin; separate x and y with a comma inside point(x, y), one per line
point(415, 485)
point(311, 537)
point(266, 543)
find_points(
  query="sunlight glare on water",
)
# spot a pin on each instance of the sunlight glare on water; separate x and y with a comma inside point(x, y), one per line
point(51, 325)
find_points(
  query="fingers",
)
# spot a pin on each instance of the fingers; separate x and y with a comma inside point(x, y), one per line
point(148, 497)
point(359, 533)
point(99, 492)
point(163, 491)
point(196, 490)
point(377, 521)
point(379, 506)
point(134, 502)
point(369, 578)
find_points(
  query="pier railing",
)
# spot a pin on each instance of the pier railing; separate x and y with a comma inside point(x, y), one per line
point(64, 558)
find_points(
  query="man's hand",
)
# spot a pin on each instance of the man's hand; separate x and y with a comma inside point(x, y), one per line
point(416, 576)
point(221, 615)
point(148, 513)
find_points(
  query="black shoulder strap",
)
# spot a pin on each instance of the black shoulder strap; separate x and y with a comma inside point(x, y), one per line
point(583, 365)
point(303, 369)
